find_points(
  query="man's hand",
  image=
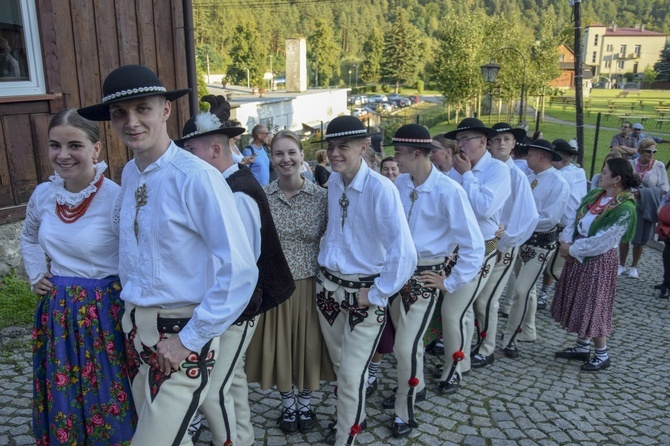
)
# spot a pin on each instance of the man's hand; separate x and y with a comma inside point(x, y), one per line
point(462, 163)
point(433, 280)
point(363, 301)
point(171, 352)
point(564, 252)
point(44, 285)
point(500, 232)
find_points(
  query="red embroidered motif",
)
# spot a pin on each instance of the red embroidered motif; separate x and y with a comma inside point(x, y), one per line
point(483, 335)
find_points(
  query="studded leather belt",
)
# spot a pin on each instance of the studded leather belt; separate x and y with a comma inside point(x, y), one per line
point(362, 282)
point(171, 325)
point(543, 239)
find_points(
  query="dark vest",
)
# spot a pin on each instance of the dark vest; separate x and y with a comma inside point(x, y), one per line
point(275, 282)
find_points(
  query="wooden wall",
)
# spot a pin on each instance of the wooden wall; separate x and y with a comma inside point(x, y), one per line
point(82, 41)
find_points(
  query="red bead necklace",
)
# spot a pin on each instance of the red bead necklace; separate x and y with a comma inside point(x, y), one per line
point(599, 206)
point(70, 215)
point(646, 166)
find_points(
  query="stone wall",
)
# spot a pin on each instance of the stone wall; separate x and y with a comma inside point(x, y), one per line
point(10, 251)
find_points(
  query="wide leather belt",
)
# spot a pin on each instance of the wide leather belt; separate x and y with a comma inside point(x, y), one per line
point(171, 325)
point(544, 239)
point(362, 282)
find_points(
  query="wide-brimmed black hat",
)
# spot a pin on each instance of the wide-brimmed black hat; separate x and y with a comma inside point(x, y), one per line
point(543, 144)
point(503, 127)
point(561, 145)
point(211, 122)
point(128, 82)
point(412, 135)
point(470, 124)
point(345, 127)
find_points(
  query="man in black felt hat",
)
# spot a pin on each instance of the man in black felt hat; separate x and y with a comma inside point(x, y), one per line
point(576, 178)
point(205, 136)
point(486, 182)
point(440, 219)
point(550, 192)
point(360, 269)
point(519, 218)
point(181, 284)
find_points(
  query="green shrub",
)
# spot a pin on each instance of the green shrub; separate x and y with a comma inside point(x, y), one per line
point(386, 88)
point(419, 87)
point(373, 88)
point(17, 302)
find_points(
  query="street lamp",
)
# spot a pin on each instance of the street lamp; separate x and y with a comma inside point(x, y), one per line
point(356, 67)
point(349, 78)
point(272, 76)
point(490, 72)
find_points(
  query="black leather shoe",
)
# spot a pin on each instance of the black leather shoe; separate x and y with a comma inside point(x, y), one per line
point(400, 430)
point(659, 286)
point(288, 421)
point(665, 293)
point(447, 388)
point(541, 304)
point(332, 431)
point(389, 403)
point(571, 353)
point(511, 351)
point(371, 388)
point(596, 364)
point(478, 361)
point(306, 421)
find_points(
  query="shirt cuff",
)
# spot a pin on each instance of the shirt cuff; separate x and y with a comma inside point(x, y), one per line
point(375, 298)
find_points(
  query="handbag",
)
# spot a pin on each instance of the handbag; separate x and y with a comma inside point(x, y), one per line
point(663, 227)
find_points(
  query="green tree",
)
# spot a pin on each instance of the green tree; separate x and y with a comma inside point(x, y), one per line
point(323, 52)
point(402, 47)
point(662, 67)
point(649, 74)
point(373, 49)
point(247, 53)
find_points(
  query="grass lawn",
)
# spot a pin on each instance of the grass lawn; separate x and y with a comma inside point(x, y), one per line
point(17, 302)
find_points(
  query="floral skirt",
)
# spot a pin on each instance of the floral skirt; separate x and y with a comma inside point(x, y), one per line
point(81, 389)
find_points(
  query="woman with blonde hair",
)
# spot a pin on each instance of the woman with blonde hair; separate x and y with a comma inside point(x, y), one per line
point(287, 349)
point(653, 187)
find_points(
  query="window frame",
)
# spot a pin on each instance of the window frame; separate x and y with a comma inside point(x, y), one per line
point(36, 84)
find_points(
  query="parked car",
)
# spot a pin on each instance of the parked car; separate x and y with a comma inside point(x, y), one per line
point(393, 96)
point(385, 107)
point(402, 102)
point(358, 112)
point(413, 98)
point(375, 98)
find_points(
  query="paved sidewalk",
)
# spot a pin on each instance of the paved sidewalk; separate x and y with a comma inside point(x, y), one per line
point(534, 400)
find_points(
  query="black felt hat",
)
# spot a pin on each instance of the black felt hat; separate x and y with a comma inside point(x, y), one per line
point(412, 135)
point(561, 145)
point(503, 127)
point(211, 122)
point(345, 127)
point(470, 124)
point(128, 82)
point(543, 144)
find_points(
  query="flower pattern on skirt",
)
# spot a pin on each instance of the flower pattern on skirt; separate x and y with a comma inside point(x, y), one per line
point(81, 388)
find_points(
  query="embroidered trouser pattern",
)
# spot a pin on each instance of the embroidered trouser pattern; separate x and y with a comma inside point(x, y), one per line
point(487, 303)
point(351, 335)
point(223, 405)
point(555, 265)
point(521, 320)
point(411, 311)
point(165, 403)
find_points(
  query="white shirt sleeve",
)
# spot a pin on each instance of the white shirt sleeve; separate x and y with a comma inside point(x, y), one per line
point(601, 242)
point(487, 199)
point(34, 257)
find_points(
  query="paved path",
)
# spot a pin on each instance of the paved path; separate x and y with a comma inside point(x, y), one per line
point(534, 400)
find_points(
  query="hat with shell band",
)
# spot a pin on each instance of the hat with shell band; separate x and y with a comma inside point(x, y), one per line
point(503, 127)
point(128, 82)
point(345, 127)
point(470, 125)
point(211, 122)
point(561, 145)
point(412, 135)
point(543, 144)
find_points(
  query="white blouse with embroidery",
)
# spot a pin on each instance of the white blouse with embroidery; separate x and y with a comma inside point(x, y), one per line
point(87, 247)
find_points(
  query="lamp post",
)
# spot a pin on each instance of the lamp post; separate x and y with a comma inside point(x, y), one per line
point(272, 76)
point(490, 72)
point(356, 77)
point(349, 78)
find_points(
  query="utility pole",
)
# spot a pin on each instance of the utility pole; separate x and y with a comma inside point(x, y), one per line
point(579, 94)
point(356, 67)
point(208, 75)
point(272, 76)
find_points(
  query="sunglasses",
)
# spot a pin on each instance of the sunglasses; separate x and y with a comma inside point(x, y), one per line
point(650, 151)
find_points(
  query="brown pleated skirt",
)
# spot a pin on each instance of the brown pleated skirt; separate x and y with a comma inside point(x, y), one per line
point(287, 348)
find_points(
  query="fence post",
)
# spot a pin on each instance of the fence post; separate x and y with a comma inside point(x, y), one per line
point(595, 145)
point(537, 121)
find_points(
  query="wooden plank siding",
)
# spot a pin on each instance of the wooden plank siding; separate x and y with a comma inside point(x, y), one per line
point(82, 42)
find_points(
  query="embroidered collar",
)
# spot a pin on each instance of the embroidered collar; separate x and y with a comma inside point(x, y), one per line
point(65, 197)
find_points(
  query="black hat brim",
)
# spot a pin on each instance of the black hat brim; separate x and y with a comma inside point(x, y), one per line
point(485, 130)
point(231, 132)
point(359, 136)
point(418, 145)
point(555, 156)
point(519, 134)
point(100, 112)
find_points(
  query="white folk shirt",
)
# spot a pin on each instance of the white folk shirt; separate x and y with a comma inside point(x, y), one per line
point(487, 186)
point(249, 213)
point(185, 224)
point(375, 238)
point(551, 193)
point(576, 179)
point(519, 215)
point(87, 247)
point(442, 219)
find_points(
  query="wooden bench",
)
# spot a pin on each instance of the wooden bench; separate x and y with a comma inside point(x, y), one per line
point(633, 119)
point(662, 111)
point(659, 122)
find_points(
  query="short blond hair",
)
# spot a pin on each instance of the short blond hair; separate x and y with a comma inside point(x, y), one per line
point(646, 143)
